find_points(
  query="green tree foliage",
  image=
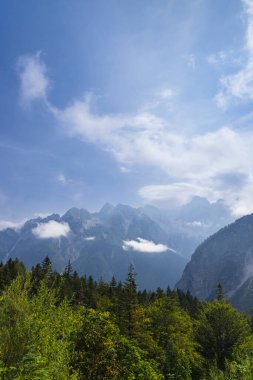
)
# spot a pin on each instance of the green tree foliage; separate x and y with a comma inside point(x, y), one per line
point(9, 271)
point(187, 302)
point(128, 303)
point(220, 331)
point(14, 326)
point(241, 365)
point(46, 266)
point(52, 326)
point(102, 352)
point(66, 327)
point(35, 333)
point(174, 332)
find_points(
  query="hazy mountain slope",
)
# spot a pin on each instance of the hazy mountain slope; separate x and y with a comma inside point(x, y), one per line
point(104, 256)
point(225, 257)
point(94, 243)
point(191, 223)
point(104, 243)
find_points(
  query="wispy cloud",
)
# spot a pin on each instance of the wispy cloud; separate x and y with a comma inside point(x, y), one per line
point(197, 223)
point(143, 245)
point(123, 135)
point(192, 164)
point(190, 60)
point(239, 86)
point(62, 179)
point(237, 196)
point(124, 169)
point(161, 99)
point(222, 57)
point(179, 192)
point(33, 77)
point(166, 93)
point(4, 224)
point(51, 229)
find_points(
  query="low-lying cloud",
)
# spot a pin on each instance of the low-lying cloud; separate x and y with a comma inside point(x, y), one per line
point(4, 224)
point(51, 229)
point(90, 238)
point(143, 245)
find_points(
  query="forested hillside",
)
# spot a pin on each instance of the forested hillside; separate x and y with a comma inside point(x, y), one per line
point(62, 326)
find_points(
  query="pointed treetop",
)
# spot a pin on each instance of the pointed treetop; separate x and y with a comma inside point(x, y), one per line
point(219, 292)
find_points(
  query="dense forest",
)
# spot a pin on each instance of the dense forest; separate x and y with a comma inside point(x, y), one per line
point(63, 326)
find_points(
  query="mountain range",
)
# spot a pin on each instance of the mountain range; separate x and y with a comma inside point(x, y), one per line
point(159, 242)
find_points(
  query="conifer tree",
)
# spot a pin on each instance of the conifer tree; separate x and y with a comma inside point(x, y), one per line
point(46, 266)
point(219, 292)
point(68, 271)
point(129, 302)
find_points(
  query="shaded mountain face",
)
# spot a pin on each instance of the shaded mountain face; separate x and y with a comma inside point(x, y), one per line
point(103, 244)
point(225, 257)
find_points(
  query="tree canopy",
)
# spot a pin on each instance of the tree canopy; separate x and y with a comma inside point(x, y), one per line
point(63, 326)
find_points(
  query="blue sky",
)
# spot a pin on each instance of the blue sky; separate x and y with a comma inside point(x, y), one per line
point(125, 101)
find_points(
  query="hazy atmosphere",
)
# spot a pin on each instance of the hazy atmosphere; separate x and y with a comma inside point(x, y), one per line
point(136, 102)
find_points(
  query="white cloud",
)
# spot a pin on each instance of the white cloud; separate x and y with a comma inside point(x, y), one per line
point(124, 169)
point(4, 224)
point(33, 77)
point(193, 165)
point(90, 238)
point(123, 135)
point(217, 58)
point(51, 229)
point(222, 100)
point(178, 192)
point(146, 139)
point(162, 100)
point(229, 57)
point(166, 93)
point(239, 85)
point(197, 223)
point(62, 179)
point(143, 245)
point(238, 199)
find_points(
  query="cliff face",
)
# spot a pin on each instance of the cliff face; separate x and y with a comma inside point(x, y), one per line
point(225, 257)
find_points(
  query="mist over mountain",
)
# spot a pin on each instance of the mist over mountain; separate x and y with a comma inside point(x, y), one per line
point(191, 223)
point(103, 244)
